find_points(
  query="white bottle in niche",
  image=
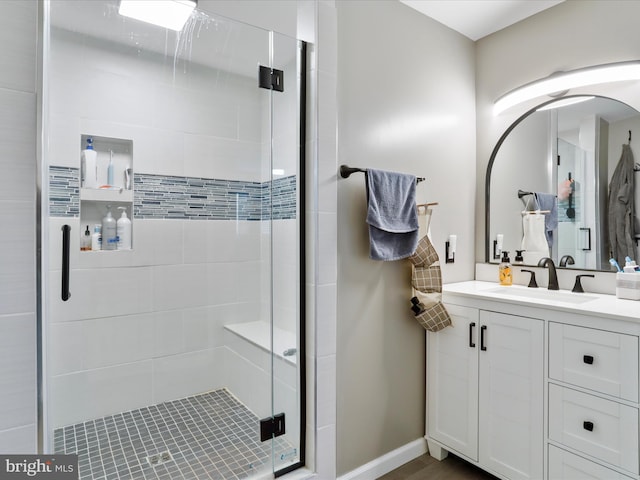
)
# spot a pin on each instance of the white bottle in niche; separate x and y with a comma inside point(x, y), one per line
point(89, 166)
point(123, 229)
point(96, 238)
point(109, 235)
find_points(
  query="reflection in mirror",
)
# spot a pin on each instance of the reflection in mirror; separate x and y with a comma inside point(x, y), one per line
point(548, 182)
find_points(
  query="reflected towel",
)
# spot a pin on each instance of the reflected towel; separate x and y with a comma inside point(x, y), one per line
point(392, 215)
point(548, 201)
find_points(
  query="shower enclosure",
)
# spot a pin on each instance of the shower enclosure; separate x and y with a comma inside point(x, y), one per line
point(182, 357)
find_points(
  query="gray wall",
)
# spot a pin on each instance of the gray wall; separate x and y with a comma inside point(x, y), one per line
point(405, 103)
point(18, 38)
point(567, 36)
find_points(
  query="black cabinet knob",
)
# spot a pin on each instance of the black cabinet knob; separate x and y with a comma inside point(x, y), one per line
point(588, 426)
point(588, 359)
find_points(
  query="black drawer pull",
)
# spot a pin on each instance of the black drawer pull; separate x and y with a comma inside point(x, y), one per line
point(588, 426)
point(471, 325)
point(588, 359)
point(483, 328)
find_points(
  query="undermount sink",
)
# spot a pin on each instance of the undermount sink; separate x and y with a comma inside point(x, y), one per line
point(543, 294)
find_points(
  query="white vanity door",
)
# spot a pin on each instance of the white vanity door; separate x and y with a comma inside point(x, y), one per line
point(511, 395)
point(452, 382)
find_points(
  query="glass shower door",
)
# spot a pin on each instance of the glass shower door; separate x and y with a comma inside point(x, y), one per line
point(165, 357)
point(287, 225)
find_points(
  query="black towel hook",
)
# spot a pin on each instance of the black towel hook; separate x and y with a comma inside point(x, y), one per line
point(629, 137)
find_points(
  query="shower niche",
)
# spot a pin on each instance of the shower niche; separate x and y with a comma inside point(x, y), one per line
point(112, 188)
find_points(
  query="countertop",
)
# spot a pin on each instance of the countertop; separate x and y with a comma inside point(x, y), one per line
point(593, 304)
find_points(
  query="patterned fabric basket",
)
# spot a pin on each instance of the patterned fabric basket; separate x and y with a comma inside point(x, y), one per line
point(426, 277)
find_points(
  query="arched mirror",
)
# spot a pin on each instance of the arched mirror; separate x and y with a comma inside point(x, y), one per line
point(548, 182)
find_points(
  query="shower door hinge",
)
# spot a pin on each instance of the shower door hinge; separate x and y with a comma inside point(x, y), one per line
point(272, 427)
point(271, 79)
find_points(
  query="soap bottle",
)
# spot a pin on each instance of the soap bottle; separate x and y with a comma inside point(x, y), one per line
point(89, 166)
point(123, 229)
point(85, 241)
point(109, 235)
point(504, 269)
point(96, 238)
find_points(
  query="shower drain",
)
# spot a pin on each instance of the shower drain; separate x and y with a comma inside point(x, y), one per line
point(159, 458)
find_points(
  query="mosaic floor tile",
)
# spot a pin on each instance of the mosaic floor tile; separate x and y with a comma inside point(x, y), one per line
point(208, 436)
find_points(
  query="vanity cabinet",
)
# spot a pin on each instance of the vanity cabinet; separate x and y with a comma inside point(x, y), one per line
point(485, 389)
point(534, 388)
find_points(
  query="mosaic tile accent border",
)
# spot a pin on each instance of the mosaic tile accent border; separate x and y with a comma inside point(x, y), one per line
point(187, 198)
point(160, 196)
point(64, 192)
point(283, 198)
point(207, 436)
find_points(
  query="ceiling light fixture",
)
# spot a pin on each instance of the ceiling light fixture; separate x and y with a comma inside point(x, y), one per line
point(172, 14)
point(558, 82)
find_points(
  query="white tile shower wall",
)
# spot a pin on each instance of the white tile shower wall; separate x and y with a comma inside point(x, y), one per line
point(18, 26)
point(174, 128)
point(134, 310)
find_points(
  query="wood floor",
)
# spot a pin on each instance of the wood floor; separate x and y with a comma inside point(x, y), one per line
point(428, 468)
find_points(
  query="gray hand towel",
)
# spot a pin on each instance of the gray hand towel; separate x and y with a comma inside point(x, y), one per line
point(548, 201)
point(391, 215)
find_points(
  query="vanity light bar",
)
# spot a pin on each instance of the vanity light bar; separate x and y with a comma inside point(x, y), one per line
point(171, 14)
point(560, 82)
point(565, 103)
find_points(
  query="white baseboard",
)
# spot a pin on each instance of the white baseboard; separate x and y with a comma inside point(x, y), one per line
point(388, 462)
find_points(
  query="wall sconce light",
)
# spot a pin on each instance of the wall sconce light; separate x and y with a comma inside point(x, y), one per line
point(172, 14)
point(560, 83)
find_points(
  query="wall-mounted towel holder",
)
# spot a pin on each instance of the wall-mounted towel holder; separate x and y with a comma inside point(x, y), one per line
point(345, 172)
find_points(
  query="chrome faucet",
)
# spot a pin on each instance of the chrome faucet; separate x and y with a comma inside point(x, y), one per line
point(566, 260)
point(553, 277)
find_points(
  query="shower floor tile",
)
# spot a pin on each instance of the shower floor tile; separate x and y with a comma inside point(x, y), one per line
point(207, 436)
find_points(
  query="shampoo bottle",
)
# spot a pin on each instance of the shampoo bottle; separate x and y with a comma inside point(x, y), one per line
point(109, 235)
point(124, 230)
point(504, 269)
point(89, 166)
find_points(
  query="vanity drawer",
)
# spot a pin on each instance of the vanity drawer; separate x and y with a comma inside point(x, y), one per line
point(567, 466)
point(597, 427)
point(605, 362)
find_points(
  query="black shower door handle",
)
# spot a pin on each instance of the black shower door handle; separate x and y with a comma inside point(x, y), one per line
point(66, 245)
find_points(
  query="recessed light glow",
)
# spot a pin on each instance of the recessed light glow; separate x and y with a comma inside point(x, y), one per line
point(564, 103)
point(613, 72)
point(172, 14)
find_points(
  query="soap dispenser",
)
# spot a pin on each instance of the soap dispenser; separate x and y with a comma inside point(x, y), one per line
point(109, 235)
point(519, 258)
point(123, 229)
point(85, 241)
point(505, 275)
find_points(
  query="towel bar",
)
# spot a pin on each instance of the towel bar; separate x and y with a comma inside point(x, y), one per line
point(345, 172)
